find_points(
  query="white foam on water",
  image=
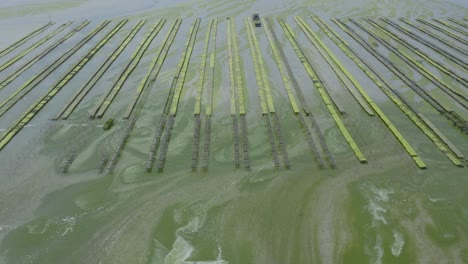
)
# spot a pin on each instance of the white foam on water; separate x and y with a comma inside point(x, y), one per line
point(159, 252)
point(112, 240)
point(220, 253)
point(181, 250)
point(38, 229)
point(257, 180)
point(382, 194)
point(68, 223)
point(379, 251)
point(193, 225)
point(62, 226)
point(207, 262)
point(68, 226)
point(434, 200)
point(398, 244)
point(219, 259)
point(377, 200)
point(377, 212)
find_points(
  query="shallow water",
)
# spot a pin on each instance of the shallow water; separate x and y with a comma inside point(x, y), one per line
point(386, 211)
